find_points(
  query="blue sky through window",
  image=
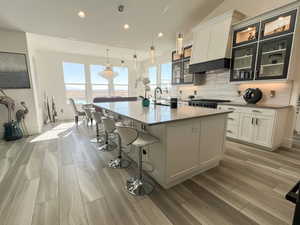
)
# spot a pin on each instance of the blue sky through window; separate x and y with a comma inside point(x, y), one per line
point(122, 77)
point(95, 77)
point(166, 73)
point(73, 72)
point(152, 73)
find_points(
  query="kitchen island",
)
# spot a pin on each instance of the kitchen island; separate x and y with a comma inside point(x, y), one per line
point(191, 138)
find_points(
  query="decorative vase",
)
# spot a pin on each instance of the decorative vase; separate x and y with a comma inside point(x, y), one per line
point(146, 102)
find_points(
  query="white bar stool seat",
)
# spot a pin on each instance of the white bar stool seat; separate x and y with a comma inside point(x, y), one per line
point(131, 136)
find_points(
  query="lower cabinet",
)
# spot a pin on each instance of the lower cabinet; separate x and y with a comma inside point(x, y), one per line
point(246, 127)
point(258, 126)
point(263, 130)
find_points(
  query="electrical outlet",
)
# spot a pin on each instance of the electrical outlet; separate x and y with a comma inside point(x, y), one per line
point(145, 154)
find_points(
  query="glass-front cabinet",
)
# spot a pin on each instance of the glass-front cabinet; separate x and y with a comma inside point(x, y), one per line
point(180, 67)
point(246, 35)
point(278, 25)
point(243, 63)
point(262, 50)
point(176, 72)
point(273, 58)
point(187, 77)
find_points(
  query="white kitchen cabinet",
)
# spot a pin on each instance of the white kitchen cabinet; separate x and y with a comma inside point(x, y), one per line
point(199, 52)
point(263, 130)
point(212, 39)
point(181, 136)
point(259, 126)
point(246, 127)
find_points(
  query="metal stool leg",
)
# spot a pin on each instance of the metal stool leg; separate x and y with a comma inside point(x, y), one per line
point(98, 139)
point(119, 162)
point(109, 145)
point(138, 186)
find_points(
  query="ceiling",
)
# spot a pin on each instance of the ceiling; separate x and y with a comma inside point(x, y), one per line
point(103, 23)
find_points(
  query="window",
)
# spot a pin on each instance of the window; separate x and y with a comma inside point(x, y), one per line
point(165, 76)
point(152, 75)
point(74, 78)
point(99, 84)
point(121, 81)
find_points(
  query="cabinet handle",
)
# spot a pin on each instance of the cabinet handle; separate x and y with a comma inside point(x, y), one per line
point(256, 121)
point(252, 120)
point(231, 108)
point(256, 111)
point(229, 118)
point(229, 131)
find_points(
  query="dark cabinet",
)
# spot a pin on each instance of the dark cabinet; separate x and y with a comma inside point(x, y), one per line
point(176, 72)
point(273, 58)
point(262, 51)
point(246, 35)
point(180, 67)
point(278, 25)
point(243, 63)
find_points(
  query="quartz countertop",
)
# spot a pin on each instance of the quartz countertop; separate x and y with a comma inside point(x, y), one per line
point(157, 114)
point(259, 105)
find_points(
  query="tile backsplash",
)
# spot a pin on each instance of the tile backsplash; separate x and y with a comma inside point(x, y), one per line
point(216, 85)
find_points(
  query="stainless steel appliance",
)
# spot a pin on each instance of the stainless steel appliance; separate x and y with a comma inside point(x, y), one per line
point(208, 103)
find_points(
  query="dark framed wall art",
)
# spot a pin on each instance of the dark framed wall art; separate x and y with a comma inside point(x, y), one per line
point(13, 71)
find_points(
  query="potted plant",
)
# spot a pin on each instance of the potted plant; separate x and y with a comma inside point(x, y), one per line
point(146, 82)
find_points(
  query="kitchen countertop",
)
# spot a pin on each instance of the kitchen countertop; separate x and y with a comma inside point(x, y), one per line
point(157, 114)
point(267, 106)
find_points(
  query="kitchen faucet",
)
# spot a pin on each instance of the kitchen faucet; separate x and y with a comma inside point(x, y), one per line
point(155, 92)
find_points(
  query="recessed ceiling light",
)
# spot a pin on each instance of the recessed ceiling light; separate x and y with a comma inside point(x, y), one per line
point(160, 34)
point(126, 26)
point(81, 14)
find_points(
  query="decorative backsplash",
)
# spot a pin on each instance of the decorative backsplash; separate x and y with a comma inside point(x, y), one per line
point(216, 85)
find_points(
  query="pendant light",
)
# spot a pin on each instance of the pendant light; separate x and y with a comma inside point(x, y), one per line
point(152, 54)
point(108, 73)
point(135, 61)
point(122, 63)
point(179, 43)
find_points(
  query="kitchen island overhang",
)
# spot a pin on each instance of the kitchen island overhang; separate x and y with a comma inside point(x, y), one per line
point(192, 139)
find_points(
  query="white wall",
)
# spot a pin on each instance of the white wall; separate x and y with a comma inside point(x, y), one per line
point(11, 41)
point(50, 79)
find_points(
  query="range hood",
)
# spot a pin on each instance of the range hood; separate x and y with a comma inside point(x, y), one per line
point(212, 43)
point(200, 68)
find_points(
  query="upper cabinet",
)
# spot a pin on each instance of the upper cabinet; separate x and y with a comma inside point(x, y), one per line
point(262, 49)
point(273, 58)
point(246, 35)
point(180, 67)
point(278, 25)
point(212, 39)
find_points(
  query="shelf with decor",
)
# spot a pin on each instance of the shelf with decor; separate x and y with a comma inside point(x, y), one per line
point(262, 46)
point(180, 67)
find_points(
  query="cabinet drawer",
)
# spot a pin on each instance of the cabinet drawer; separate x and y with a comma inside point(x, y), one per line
point(233, 118)
point(227, 107)
point(263, 112)
point(232, 130)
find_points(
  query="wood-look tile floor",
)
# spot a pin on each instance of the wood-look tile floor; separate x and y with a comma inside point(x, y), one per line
point(60, 178)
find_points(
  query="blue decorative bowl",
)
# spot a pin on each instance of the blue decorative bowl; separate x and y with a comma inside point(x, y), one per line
point(146, 102)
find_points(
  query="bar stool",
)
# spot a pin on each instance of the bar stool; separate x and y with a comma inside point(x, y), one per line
point(130, 136)
point(119, 162)
point(99, 139)
point(109, 128)
point(88, 113)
